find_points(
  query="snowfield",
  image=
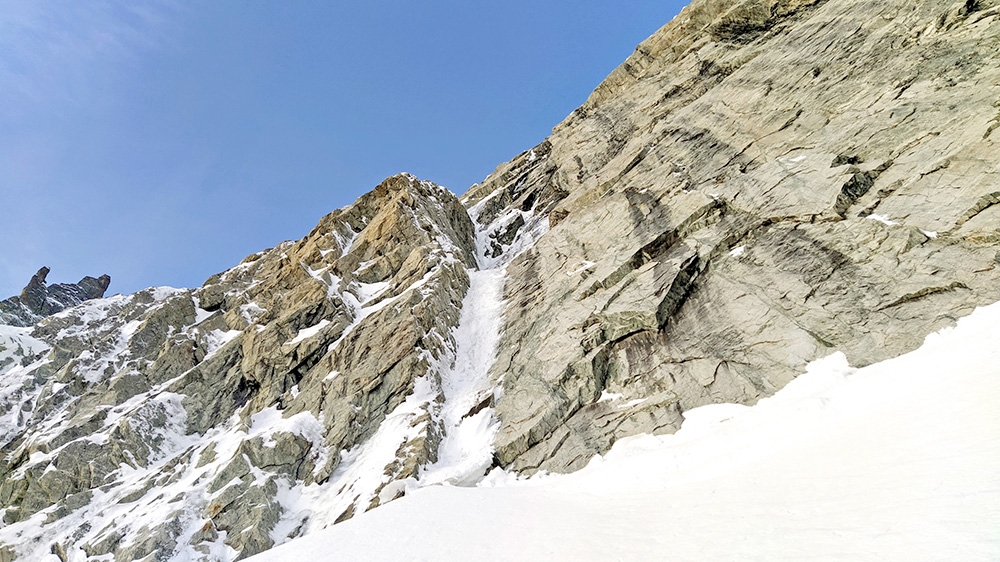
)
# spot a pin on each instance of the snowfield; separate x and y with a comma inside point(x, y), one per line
point(895, 461)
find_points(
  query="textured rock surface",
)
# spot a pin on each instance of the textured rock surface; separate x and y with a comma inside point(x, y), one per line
point(177, 423)
point(762, 183)
point(712, 210)
point(39, 300)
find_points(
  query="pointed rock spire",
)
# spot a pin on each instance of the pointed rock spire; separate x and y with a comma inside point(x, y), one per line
point(38, 300)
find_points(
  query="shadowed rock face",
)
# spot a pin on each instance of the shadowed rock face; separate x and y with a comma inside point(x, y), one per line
point(762, 183)
point(38, 300)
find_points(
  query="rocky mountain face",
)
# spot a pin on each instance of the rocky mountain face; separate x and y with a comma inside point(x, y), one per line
point(38, 300)
point(762, 183)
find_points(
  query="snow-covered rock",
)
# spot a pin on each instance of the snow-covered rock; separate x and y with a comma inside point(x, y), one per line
point(764, 183)
point(38, 299)
point(210, 424)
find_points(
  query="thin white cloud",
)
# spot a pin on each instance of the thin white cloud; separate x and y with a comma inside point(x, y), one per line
point(56, 60)
point(52, 50)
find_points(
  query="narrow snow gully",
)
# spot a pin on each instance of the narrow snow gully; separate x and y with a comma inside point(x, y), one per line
point(467, 416)
point(454, 400)
point(466, 450)
point(457, 392)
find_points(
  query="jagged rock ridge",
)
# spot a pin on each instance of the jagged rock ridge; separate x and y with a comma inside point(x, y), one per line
point(763, 182)
point(276, 365)
point(38, 300)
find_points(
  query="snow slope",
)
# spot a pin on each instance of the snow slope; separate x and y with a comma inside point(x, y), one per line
point(896, 461)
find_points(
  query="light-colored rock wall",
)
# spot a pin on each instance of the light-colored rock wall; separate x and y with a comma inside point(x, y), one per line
point(718, 225)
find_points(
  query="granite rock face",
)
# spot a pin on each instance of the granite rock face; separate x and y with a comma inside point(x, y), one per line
point(39, 300)
point(762, 183)
point(189, 423)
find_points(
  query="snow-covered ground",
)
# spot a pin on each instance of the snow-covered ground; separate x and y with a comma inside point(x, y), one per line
point(896, 461)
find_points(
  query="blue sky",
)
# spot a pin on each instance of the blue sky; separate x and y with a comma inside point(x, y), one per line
point(161, 142)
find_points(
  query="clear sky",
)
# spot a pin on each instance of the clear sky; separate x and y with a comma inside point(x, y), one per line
point(161, 142)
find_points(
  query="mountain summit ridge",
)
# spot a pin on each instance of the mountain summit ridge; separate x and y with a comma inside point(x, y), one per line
point(38, 299)
point(762, 183)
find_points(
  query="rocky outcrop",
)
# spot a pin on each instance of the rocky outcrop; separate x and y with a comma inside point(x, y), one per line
point(762, 183)
point(39, 300)
point(195, 417)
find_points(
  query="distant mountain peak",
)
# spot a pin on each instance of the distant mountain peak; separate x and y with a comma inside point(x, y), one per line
point(38, 299)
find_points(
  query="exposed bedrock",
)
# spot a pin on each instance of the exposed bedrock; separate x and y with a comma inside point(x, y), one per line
point(38, 299)
point(762, 183)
